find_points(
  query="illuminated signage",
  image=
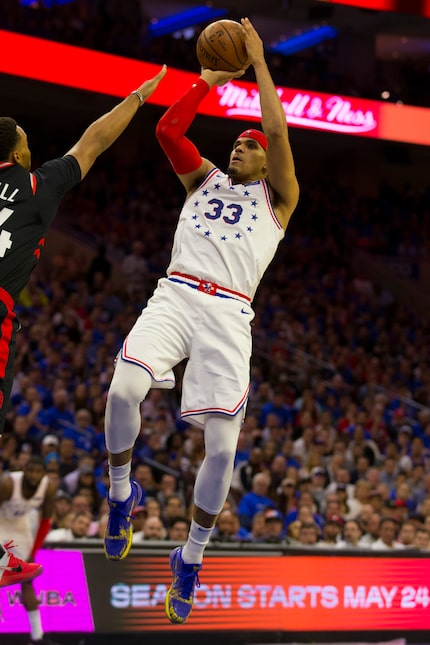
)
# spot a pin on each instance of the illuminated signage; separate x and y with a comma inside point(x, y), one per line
point(299, 593)
point(420, 7)
point(63, 595)
point(304, 109)
point(93, 71)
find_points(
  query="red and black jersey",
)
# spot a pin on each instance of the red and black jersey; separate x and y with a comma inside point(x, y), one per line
point(28, 205)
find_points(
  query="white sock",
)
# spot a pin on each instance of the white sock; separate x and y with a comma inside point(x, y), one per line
point(119, 477)
point(198, 539)
point(35, 624)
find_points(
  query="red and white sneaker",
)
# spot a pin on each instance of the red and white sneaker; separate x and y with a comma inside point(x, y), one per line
point(13, 570)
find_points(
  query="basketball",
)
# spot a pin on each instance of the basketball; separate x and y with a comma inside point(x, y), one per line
point(221, 46)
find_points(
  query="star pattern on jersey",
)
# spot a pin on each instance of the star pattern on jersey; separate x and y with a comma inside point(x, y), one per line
point(199, 220)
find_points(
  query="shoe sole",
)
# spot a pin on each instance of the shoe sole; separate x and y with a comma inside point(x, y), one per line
point(174, 618)
point(115, 558)
point(36, 573)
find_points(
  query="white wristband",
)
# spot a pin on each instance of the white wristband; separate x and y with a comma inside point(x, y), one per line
point(139, 96)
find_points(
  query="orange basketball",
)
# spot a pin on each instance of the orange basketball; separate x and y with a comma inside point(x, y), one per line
point(221, 46)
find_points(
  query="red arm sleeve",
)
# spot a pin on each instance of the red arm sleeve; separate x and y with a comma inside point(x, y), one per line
point(171, 129)
point(42, 532)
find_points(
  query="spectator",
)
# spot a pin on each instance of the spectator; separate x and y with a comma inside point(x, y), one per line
point(278, 407)
point(342, 476)
point(143, 474)
point(377, 499)
point(407, 534)
point(331, 531)
point(226, 527)
point(292, 536)
point(68, 457)
point(153, 529)
point(303, 445)
point(389, 471)
point(351, 536)
point(371, 527)
point(173, 507)
point(277, 471)
point(168, 486)
point(255, 501)
point(79, 529)
point(244, 473)
point(8, 452)
point(62, 506)
point(422, 539)
point(81, 431)
point(274, 527)
point(319, 481)
point(308, 534)
point(49, 449)
point(285, 499)
point(178, 530)
point(85, 467)
point(138, 519)
point(20, 428)
point(258, 528)
point(59, 415)
point(388, 532)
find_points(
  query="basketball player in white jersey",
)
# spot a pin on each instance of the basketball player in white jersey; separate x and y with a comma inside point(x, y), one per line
point(22, 494)
point(227, 234)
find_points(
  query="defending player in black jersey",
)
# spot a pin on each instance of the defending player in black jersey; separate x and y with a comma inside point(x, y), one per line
point(28, 204)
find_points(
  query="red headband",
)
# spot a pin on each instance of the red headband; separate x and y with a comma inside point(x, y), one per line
point(257, 135)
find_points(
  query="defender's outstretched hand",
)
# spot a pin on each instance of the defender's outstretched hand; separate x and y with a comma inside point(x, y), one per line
point(148, 87)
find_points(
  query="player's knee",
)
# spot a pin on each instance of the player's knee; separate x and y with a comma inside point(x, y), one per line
point(221, 459)
point(129, 386)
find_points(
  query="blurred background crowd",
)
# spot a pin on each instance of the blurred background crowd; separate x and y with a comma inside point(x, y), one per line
point(335, 447)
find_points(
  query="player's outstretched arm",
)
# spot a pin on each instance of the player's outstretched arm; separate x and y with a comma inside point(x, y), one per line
point(280, 163)
point(102, 133)
point(184, 156)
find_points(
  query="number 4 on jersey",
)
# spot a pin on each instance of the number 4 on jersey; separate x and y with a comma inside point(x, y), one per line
point(5, 241)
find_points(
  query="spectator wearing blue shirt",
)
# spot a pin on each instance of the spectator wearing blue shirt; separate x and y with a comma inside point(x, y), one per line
point(277, 406)
point(59, 415)
point(255, 501)
point(81, 431)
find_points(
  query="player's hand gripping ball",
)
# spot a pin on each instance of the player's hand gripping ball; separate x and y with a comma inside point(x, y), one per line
point(221, 46)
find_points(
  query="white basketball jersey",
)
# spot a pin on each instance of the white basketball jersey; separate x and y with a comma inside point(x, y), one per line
point(17, 505)
point(227, 233)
